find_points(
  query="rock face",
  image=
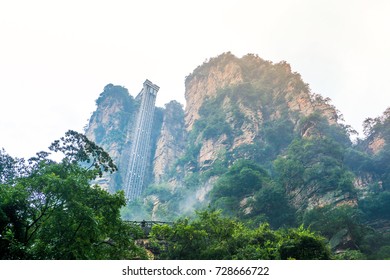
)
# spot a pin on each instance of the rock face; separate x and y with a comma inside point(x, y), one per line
point(171, 142)
point(231, 107)
point(376, 145)
point(206, 80)
point(227, 70)
point(377, 133)
point(248, 108)
point(110, 125)
point(252, 92)
point(235, 108)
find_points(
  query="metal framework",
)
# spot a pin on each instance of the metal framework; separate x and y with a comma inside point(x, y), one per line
point(140, 148)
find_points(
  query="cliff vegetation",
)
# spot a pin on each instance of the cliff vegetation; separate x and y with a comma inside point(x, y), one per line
point(255, 165)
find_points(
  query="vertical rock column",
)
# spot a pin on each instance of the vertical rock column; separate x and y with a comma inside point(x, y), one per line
point(140, 148)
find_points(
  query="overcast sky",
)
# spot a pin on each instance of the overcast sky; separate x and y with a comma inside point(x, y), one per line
point(56, 56)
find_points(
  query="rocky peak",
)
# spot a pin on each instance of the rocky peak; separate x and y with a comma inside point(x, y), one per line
point(110, 120)
point(204, 82)
point(377, 132)
point(276, 80)
point(246, 93)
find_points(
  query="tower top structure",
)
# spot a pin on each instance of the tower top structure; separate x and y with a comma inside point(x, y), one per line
point(150, 84)
point(149, 88)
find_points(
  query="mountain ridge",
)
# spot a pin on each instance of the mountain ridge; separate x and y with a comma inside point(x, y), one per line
point(250, 120)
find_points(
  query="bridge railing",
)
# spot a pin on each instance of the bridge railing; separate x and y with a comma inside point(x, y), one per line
point(144, 223)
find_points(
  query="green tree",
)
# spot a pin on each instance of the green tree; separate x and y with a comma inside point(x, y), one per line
point(54, 213)
point(242, 180)
point(10, 168)
point(272, 202)
point(302, 244)
point(247, 191)
point(212, 236)
point(378, 129)
point(376, 206)
point(316, 160)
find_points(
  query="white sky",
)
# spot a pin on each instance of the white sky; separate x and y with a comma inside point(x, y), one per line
point(56, 56)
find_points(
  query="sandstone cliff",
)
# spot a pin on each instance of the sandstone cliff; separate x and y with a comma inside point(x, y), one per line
point(248, 95)
point(252, 92)
point(204, 82)
point(110, 125)
point(171, 142)
point(235, 108)
point(227, 70)
point(299, 162)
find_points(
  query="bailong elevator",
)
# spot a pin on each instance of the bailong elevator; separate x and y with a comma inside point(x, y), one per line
point(140, 147)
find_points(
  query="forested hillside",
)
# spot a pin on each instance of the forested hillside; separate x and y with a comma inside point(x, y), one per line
point(255, 166)
point(262, 148)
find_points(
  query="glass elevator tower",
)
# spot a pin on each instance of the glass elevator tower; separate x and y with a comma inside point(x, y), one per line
point(140, 148)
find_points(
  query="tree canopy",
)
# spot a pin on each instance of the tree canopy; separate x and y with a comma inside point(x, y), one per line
point(51, 211)
point(212, 236)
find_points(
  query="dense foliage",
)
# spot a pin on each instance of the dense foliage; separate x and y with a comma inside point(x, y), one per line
point(212, 237)
point(298, 169)
point(247, 191)
point(299, 166)
point(49, 210)
point(285, 182)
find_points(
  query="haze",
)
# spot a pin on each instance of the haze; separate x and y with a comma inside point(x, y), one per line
point(56, 56)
